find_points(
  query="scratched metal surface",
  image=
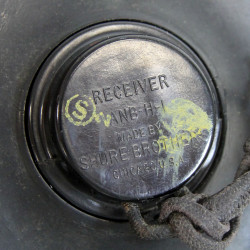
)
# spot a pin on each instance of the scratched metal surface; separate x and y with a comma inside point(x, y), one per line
point(32, 215)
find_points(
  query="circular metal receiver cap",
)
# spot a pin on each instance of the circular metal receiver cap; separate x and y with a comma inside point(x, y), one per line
point(136, 116)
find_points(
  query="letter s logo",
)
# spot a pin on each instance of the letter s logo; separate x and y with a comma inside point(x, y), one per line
point(83, 112)
point(80, 110)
